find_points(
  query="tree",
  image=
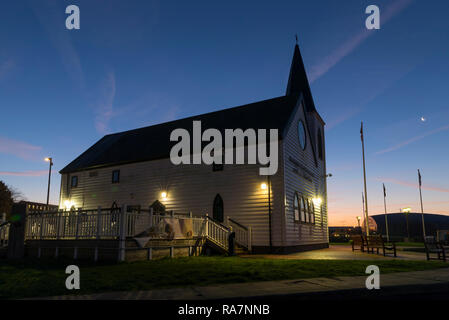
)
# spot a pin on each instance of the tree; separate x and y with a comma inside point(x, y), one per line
point(16, 195)
point(6, 199)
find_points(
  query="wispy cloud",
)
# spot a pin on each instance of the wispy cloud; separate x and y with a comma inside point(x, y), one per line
point(51, 15)
point(36, 173)
point(414, 139)
point(414, 184)
point(19, 149)
point(104, 110)
point(352, 43)
point(6, 67)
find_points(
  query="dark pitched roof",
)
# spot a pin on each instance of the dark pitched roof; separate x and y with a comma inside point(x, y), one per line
point(298, 82)
point(153, 142)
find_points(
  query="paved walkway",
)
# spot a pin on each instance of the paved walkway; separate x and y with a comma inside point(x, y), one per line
point(287, 287)
point(273, 288)
point(341, 252)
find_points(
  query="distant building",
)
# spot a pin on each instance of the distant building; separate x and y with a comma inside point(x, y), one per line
point(397, 224)
point(342, 234)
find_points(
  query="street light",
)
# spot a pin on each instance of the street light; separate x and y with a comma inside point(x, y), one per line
point(407, 211)
point(49, 178)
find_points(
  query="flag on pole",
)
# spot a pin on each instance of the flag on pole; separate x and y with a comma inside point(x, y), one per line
point(385, 192)
point(419, 178)
point(361, 131)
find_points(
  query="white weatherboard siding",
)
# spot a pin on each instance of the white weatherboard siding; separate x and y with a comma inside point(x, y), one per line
point(306, 179)
point(189, 187)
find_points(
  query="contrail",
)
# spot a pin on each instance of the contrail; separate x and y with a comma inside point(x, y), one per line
point(414, 139)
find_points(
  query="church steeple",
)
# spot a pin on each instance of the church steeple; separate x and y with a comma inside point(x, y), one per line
point(297, 80)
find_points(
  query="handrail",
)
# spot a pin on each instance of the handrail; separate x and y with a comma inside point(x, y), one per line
point(240, 225)
point(217, 233)
point(218, 223)
point(243, 234)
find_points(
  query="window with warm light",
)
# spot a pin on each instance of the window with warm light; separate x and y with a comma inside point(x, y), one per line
point(303, 210)
point(312, 212)
point(296, 207)
point(307, 210)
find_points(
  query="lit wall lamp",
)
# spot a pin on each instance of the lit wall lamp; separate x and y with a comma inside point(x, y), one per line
point(317, 201)
point(68, 204)
point(263, 186)
point(164, 195)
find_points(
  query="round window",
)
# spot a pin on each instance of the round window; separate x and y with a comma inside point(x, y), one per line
point(302, 134)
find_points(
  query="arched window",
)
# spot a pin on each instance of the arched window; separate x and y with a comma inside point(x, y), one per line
point(320, 144)
point(302, 134)
point(218, 211)
point(303, 210)
point(307, 211)
point(296, 207)
point(312, 212)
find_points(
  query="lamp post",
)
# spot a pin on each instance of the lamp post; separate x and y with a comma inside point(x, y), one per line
point(49, 178)
point(407, 211)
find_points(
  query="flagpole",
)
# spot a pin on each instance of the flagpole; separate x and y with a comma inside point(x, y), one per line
point(363, 208)
point(386, 220)
point(364, 181)
point(422, 210)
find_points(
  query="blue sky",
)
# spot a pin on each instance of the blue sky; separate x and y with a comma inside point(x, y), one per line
point(138, 63)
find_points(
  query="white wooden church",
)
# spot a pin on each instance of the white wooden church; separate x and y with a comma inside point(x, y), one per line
point(286, 211)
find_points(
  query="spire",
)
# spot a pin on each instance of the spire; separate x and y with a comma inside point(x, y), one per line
point(297, 80)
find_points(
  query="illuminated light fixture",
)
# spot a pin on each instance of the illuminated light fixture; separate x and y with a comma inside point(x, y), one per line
point(317, 201)
point(47, 159)
point(406, 210)
point(68, 204)
point(263, 186)
point(164, 195)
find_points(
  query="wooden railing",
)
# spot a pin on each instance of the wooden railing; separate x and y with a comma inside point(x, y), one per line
point(80, 224)
point(217, 233)
point(243, 234)
point(118, 223)
point(4, 234)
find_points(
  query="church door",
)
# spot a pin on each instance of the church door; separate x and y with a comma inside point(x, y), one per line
point(218, 212)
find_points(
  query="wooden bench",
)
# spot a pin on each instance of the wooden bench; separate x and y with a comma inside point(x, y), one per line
point(359, 241)
point(436, 247)
point(377, 242)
